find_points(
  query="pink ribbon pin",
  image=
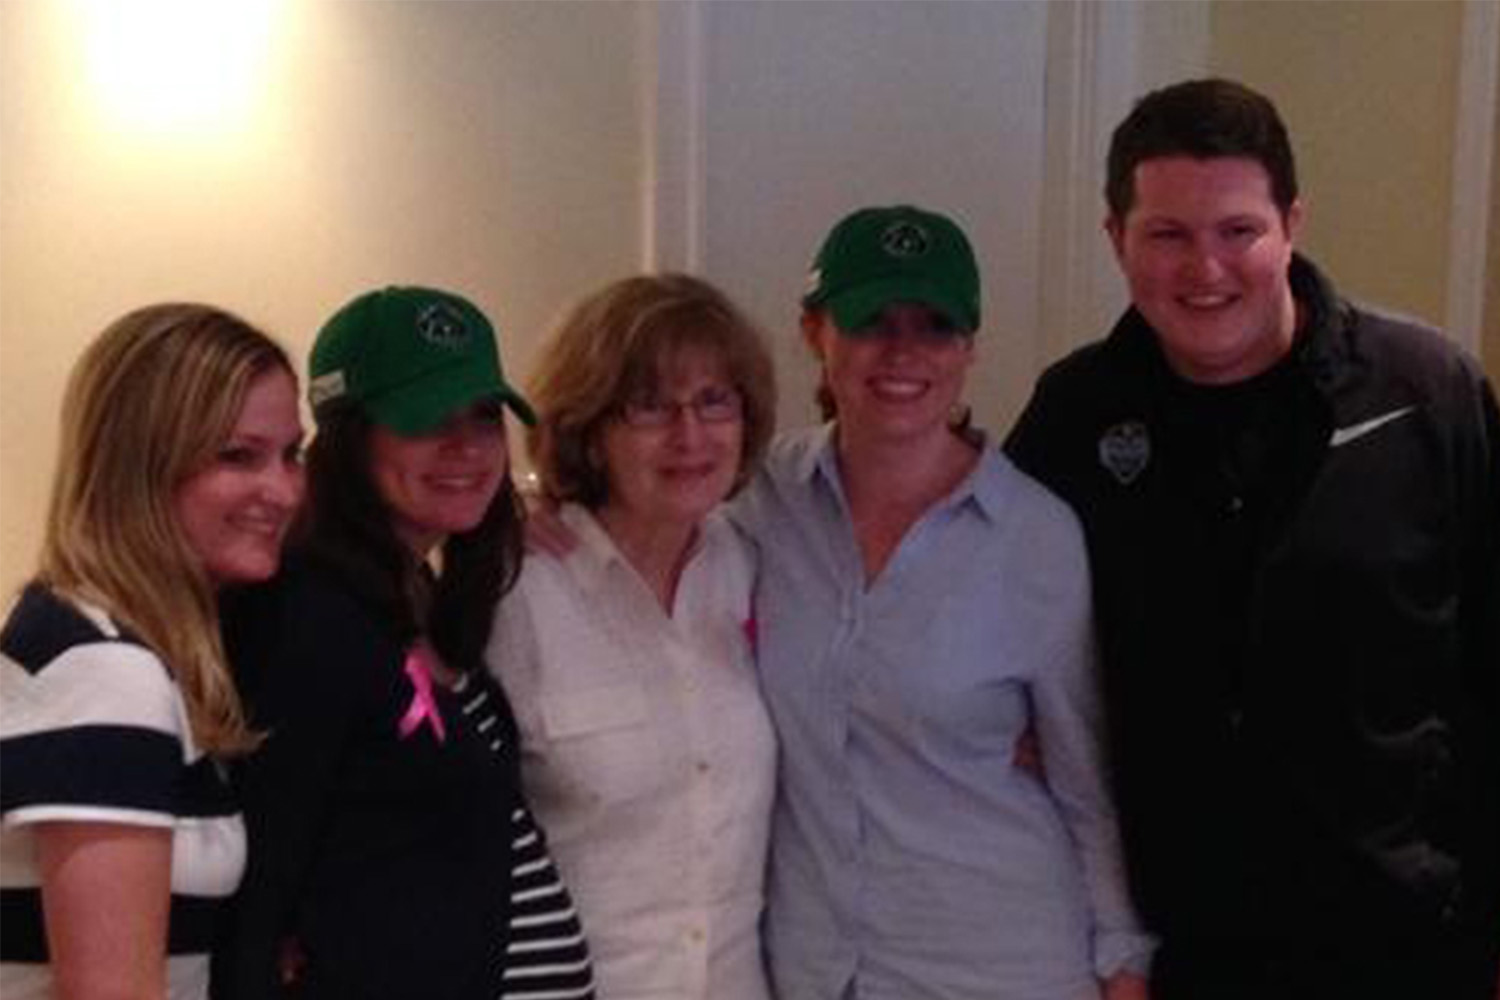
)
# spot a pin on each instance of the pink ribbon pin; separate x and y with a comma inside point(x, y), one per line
point(423, 707)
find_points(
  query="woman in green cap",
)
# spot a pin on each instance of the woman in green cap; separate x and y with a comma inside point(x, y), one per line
point(391, 851)
point(923, 605)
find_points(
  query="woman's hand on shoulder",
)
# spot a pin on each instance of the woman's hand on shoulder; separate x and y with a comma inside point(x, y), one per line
point(106, 899)
point(546, 532)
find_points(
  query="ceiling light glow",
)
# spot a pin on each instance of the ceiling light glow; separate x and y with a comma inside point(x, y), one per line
point(175, 65)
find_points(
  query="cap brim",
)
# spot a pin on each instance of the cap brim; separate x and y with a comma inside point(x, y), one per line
point(420, 407)
point(519, 406)
point(858, 308)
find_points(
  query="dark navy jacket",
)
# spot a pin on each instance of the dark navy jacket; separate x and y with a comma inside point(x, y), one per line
point(383, 848)
point(1302, 667)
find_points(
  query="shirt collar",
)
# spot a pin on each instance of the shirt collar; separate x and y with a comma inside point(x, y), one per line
point(988, 485)
point(595, 553)
point(985, 485)
point(819, 456)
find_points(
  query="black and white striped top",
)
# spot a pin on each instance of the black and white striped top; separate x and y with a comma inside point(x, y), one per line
point(546, 957)
point(93, 729)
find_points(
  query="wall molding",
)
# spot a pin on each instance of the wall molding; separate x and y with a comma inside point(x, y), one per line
point(1473, 165)
point(1070, 208)
point(1100, 58)
point(676, 171)
point(1097, 63)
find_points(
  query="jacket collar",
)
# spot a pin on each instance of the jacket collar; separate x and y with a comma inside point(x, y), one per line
point(1321, 350)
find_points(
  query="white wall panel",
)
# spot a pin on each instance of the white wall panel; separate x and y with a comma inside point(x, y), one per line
point(810, 110)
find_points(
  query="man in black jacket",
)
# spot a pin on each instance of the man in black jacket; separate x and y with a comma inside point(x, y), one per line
point(1292, 507)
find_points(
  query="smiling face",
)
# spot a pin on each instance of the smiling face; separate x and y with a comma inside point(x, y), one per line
point(235, 511)
point(898, 378)
point(440, 483)
point(1205, 252)
point(671, 474)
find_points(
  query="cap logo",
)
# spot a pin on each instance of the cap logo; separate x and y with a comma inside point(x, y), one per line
point(905, 239)
point(1125, 450)
point(442, 325)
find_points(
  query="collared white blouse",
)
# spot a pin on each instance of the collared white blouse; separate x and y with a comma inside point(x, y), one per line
point(648, 757)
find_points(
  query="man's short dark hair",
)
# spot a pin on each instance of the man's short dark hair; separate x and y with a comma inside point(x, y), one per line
point(1201, 119)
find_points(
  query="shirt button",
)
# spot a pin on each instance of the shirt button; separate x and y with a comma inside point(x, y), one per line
point(703, 767)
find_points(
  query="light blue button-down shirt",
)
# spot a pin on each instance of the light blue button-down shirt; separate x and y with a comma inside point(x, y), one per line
point(911, 857)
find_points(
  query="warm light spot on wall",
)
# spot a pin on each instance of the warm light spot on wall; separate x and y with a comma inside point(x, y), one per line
point(177, 65)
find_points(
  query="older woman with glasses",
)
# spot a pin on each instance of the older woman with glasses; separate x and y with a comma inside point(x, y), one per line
point(646, 750)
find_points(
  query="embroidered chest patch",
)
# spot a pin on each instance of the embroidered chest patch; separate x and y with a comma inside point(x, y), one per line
point(1125, 450)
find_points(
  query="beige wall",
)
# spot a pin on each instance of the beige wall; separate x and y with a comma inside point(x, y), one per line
point(815, 109)
point(1490, 345)
point(1368, 91)
point(492, 148)
point(505, 149)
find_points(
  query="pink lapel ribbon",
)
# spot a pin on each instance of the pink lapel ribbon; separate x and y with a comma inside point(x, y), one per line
point(423, 705)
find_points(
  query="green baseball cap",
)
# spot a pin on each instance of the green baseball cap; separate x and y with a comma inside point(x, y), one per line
point(879, 256)
point(410, 357)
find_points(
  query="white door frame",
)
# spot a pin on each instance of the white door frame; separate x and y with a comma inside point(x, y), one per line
point(1100, 57)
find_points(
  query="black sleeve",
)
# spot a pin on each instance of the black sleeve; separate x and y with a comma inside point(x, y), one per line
point(297, 649)
point(1480, 623)
point(1025, 445)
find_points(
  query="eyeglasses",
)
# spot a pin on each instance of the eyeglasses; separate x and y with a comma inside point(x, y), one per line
point(715, 405)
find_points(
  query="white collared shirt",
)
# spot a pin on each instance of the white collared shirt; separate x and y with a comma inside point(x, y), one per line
point(648, 757)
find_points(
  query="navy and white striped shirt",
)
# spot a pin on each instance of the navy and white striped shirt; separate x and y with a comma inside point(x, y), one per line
point(93, 729)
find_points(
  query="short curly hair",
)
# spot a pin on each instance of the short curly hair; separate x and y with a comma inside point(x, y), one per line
point(612, 346)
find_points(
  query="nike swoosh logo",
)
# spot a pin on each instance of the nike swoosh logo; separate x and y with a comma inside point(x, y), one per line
point(1343, 435)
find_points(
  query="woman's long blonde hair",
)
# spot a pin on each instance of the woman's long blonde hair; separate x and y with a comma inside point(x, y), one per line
point(149, 404)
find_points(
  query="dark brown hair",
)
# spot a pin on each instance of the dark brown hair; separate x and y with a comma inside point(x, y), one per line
point(1203, 119)
point(347, 529)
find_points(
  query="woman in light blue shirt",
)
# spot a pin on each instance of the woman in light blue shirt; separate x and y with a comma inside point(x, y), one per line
point(921, 604)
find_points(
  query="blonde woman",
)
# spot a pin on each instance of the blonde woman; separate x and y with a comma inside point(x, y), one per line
point(645, 747)
point(179, 472)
